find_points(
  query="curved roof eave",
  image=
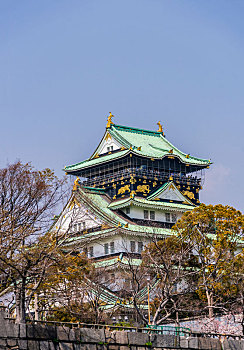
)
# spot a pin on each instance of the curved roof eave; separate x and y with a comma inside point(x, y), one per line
point(155, 146)
point(117, 155)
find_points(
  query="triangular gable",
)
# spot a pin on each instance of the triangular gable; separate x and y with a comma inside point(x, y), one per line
point(77, 217)
point(169, 192)
point(106, 145)
point(98, 204)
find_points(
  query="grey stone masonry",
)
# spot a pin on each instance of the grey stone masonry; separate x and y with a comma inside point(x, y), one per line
point(45, 337)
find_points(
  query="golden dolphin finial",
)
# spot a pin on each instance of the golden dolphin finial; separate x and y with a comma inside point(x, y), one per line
point(109, 121)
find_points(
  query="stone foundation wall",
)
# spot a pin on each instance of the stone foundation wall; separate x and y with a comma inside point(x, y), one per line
point(43, 337)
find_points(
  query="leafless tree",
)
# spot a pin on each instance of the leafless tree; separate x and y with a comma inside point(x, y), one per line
point(162, 283)
point(29, 200)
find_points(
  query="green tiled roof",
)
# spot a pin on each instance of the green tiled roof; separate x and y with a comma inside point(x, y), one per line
point(151, 144)
point(89, 235)
point(96, 201)
point(143, 202)
point(96, 161)
point(99, 204)
point(110, 262)
point(131, 230)
point(150, 229)
point(159, 190)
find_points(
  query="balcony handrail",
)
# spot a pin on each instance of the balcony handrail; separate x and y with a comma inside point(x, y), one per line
point(151, 174)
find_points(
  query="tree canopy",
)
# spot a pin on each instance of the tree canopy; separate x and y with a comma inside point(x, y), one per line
point(215, 235)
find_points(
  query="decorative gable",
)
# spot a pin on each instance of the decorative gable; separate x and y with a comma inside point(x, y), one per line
point(107, 144)
point(169, 192)
point(76, 217)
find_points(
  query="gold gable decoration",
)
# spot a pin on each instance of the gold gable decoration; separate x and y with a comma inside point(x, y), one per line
point(73, 202)
point(105, 227)
point(76, 184)
point(108, 137)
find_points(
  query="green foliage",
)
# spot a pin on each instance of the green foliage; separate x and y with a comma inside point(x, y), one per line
point(215, 235)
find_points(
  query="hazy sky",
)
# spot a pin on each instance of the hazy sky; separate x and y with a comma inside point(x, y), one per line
point(64, 64)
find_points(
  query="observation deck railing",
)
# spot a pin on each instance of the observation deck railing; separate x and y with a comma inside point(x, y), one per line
point(149, 174)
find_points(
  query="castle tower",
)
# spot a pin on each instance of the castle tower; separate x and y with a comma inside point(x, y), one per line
point(135, 181)
point(132, 189)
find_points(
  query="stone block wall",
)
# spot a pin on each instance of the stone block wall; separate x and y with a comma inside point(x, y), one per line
point(45, 337)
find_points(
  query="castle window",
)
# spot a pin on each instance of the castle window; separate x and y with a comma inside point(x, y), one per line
point(110, 148)
point(91, 253)
point(106, 248)
point(111, 247)
point(146, 214)
point(174, 217)
point(84, 225)
point(167, 216)
point(127, 210)
point(132, 246)
point(152, 215)
point(140, 247)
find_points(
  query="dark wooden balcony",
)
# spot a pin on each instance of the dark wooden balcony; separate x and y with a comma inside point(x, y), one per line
point(142, 173)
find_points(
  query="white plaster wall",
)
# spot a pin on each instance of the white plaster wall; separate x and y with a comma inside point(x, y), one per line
point(138, 213)
point(121, 244)
point(75, 214)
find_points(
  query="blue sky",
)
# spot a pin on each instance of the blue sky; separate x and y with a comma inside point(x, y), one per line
point(64, 64)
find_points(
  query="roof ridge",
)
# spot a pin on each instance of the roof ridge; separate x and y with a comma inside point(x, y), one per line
point(120, 138)
point(154, 133)
point(93, 205)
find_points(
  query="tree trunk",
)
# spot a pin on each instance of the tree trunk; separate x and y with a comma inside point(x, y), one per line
point(20, 304)
point(242, 312)
point(36, 307)
point(210, 303)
